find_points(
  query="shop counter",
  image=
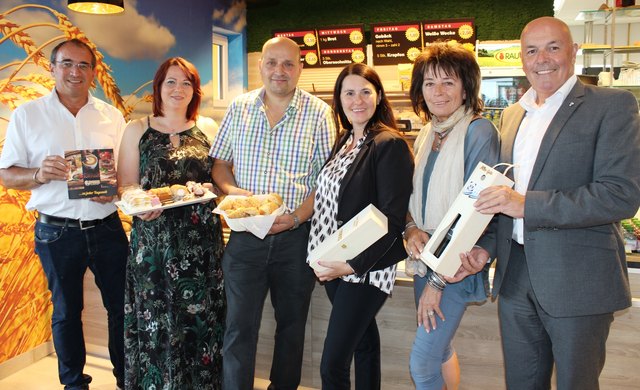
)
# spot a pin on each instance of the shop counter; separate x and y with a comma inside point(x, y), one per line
point(477, 341)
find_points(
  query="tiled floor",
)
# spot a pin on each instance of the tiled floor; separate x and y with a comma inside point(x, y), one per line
point(42, 375)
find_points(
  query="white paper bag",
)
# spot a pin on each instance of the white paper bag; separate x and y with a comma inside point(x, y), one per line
point(469, 224)
point(359, 233)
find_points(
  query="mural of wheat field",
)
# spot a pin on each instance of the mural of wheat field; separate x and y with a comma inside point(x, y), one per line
point(129, 47)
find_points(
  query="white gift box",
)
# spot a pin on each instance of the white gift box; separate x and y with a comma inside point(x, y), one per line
point(469, 224)
point(359, 233)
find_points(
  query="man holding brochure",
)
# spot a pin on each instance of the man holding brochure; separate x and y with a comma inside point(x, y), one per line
point(561, 271)
point(70, 234)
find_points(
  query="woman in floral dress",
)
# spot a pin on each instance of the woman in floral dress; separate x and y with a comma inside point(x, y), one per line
point(174, 305)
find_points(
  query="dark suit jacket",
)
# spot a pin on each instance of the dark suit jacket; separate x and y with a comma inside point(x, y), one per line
point(381, 174)
point(585, 179)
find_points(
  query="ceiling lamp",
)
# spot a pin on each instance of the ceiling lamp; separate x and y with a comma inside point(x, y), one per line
point(97, 6)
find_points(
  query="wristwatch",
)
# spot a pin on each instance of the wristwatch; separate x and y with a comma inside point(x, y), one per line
point(296, 222)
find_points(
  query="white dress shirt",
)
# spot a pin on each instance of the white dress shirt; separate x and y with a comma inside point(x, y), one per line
point(45, 127)
point(530, 134)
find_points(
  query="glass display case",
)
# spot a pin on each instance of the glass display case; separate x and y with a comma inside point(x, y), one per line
point(500, 88)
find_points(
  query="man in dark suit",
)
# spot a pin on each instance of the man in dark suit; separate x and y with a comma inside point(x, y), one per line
point(561, 270)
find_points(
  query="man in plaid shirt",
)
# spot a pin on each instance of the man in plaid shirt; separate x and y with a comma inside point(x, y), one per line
point(273, 139)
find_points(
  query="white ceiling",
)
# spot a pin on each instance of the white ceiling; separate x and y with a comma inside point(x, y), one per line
point(569, 9)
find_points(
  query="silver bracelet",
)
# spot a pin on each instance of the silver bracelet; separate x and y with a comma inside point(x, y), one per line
point(408, 226)
point(436, 281)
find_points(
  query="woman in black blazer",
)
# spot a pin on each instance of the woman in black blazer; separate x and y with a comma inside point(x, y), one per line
point(371, 164)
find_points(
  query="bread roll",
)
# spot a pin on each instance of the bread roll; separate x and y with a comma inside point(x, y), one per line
point(249, 201)
point(243, 212)
point(275, 198)
point(268, 208)
point(226, 204)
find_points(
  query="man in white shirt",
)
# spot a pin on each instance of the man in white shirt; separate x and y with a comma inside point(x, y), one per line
point(70, 234)
point(561, 270)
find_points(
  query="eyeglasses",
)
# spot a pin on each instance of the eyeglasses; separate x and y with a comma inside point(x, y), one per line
point(67, 65)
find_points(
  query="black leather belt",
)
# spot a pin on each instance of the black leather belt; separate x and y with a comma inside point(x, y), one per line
point(75, 223)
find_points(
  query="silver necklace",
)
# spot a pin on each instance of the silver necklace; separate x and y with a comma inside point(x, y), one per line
point(439, 139)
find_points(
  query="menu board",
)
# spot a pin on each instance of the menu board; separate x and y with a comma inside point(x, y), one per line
point(329, 46)
point(342, 45)
point(307, 40)
point(460, 30)
point(394, 43)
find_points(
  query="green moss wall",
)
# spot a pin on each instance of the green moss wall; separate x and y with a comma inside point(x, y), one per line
point(495, 19)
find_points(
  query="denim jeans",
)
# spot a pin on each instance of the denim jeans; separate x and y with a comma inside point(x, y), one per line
point(251, 268)
point(432, 349)
point(65, 254)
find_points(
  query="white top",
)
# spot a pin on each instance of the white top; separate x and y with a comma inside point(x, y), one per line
point(45, 127)
point(527, 144)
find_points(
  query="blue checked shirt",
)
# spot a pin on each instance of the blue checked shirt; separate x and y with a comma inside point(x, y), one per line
point(285, 159)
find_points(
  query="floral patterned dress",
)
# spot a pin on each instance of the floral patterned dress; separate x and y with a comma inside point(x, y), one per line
point(175, 304)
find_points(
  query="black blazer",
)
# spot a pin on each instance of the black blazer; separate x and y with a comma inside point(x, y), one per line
point(381, 174)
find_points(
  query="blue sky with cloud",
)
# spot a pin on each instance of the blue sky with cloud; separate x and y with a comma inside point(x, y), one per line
point(135, 42)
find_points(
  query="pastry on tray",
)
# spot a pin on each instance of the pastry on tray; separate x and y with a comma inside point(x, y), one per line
point(136, 199)
point(164, 194)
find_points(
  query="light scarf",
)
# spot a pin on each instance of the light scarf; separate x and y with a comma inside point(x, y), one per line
point(447, 177)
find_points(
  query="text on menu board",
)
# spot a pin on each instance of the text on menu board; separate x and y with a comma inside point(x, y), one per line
point(401, 43)
point(396, 43)
point(462, 31)
point(329, 46)
point(307, 41)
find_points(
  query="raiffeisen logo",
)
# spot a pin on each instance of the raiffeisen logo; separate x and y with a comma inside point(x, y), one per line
point(509, 55)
